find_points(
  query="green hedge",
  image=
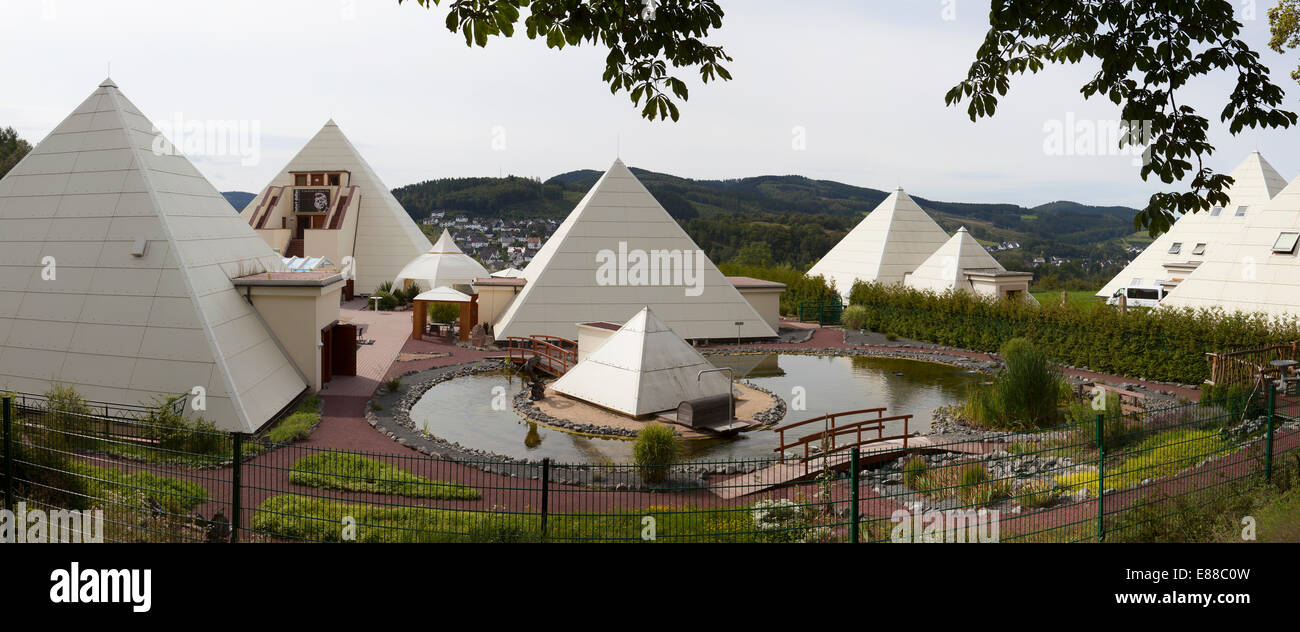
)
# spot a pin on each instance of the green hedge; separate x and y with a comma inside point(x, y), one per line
point(799, 286)
point(1162, 344)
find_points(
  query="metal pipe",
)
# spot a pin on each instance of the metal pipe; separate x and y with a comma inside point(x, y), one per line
point(731, 398)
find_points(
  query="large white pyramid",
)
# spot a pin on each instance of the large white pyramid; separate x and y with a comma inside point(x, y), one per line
point(1254, 272)
point(1255, 182)
point(445, 265)
point(386, 237)
point(642, 368)
point(565, 284)
point(82, 304)
point(892, 241)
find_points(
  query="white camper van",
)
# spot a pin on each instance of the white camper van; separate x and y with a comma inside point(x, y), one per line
point(1139, 296)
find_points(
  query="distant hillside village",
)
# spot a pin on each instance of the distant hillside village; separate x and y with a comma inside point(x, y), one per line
point(497, 243)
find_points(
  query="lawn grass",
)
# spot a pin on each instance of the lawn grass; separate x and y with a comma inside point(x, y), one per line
point(173, 495)
point(298, 425)
point(290, 516)
point(350, 472)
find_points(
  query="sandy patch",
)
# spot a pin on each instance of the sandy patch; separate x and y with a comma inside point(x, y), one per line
point(749, 402)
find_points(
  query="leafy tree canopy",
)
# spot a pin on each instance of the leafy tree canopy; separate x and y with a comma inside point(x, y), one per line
point(1147, 50)
point(644, 38)
point(12, 149)
point(1284, 23)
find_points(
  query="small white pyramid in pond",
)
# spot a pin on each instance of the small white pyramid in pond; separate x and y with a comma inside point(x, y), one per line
point(892, 241)
point(643, 368)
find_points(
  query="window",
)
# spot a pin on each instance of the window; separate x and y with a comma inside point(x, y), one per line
point(1199, 249)
point(1176, 248)
point(300, 180)
point(1286, 243)
point(1241, 211)
point(1216, 211)
point(334, 179)
point(1136, 281)
point(317, 179)
point(1143, 294)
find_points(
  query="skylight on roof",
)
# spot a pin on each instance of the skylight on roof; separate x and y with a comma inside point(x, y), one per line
point(1199, 249)
point(1216, 211)
point(1176, 248)
point(1241, 211)
point(1286, 243)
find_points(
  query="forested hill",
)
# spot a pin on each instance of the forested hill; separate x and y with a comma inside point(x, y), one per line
point(782, 199)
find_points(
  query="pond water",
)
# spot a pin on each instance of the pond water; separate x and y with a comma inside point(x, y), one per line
point(462, 411)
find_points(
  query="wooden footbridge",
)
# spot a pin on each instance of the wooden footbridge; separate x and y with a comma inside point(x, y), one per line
point(831, 448)
point(554, 355)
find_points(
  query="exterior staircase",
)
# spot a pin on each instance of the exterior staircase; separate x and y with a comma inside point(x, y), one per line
point(294, 249)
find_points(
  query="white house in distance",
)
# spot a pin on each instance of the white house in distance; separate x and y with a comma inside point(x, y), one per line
point(898, 243)
point(1198, 238)
point(1258, 270)
point(125, 275)
point(328, 202)
point(963, 265)
point(617, 252)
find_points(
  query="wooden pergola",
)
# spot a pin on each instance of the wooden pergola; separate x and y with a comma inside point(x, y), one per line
point(420, 310)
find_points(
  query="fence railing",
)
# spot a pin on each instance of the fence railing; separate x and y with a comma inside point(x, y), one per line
point(1250, 367)
point(1106, 478)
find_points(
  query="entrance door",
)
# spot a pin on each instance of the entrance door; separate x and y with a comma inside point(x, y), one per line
point(344, 355)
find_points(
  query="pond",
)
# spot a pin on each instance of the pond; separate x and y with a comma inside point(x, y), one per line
point(462, 410)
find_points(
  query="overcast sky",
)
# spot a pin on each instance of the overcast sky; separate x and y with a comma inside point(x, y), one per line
point(843, 90)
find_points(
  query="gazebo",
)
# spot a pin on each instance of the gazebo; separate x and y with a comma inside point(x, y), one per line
point(445, 265)
point(420, 310)
point(439, 270)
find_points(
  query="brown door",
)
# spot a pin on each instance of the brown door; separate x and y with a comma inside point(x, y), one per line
point(326, 353)
point(344, 354)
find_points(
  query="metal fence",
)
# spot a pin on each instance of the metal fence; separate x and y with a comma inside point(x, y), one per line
point(1111, 477)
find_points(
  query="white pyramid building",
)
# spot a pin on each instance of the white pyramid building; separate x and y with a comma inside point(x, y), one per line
point(1258, 271)
point(575, 276)
point(1197, 237)
point(892, 241)
point(445, 265)
point(375, 230)
point(642, 368)
point(116, 256)
point(953, 265)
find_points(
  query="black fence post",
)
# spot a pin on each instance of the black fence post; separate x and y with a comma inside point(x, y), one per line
point(546, 492)
point(9, 453)
point(1268, 438)
point(853, 495)
point(1101, 478)
point(236, 484)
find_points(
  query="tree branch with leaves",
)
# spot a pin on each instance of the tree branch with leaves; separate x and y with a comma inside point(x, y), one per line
point(644, 38)
point(1147, 50)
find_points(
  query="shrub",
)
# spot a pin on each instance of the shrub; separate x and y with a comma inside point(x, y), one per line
point(1027, 394)
point(913, 470)
point(654, 452)
point(799, 287)
point(393, 384)
point(444, 312)
point(69, 417)
point(387, 302)
point(891, 336)
point(1117, 428)
point(783, 520)
point(1161, 344)
point(407, 294)
point(854, 317)
point(171, 431)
